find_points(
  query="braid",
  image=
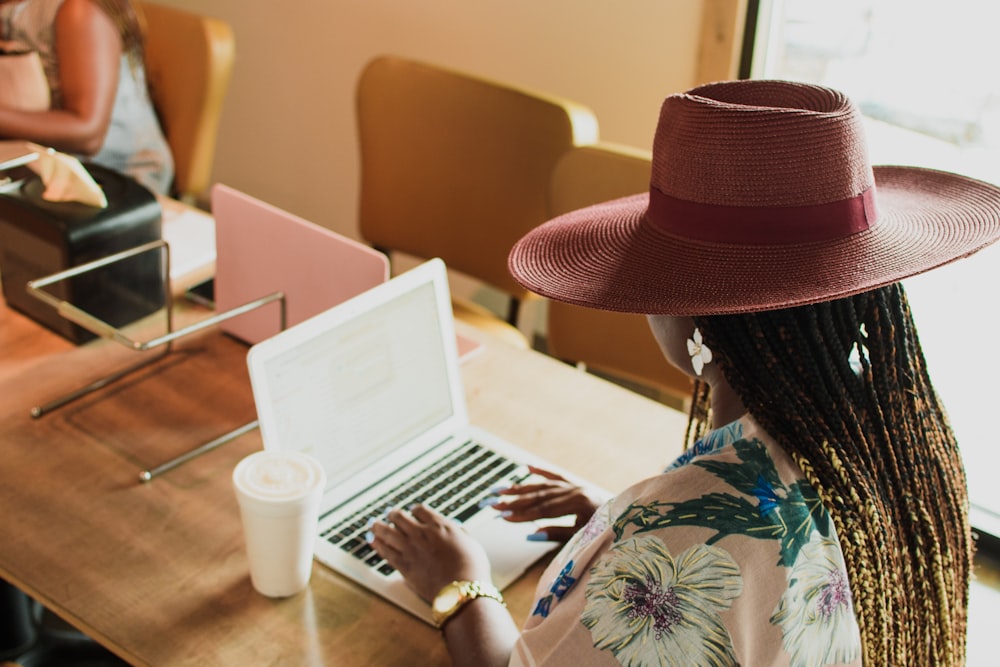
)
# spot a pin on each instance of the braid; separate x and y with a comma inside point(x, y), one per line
point(699, 414)
point(843, 387)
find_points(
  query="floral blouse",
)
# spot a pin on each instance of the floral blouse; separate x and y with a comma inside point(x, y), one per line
point(726, 558)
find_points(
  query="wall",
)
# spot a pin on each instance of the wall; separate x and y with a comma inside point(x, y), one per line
point(287, 134)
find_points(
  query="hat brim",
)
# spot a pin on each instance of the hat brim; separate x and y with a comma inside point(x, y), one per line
point(608, 256)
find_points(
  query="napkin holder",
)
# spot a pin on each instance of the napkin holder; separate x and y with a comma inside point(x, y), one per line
point(39, 238)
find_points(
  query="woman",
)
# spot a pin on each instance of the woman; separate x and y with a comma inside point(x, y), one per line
point(92, 54)
point(823, 520)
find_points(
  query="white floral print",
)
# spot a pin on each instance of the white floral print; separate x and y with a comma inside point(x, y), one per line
point(815, 614)
point(649, 608)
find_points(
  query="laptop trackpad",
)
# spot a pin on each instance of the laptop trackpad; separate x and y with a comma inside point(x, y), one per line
point(506, 543)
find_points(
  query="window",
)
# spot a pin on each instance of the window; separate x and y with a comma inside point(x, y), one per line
point(924, 74)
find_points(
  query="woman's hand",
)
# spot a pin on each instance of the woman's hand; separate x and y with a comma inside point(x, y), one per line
point(429, 550)
point(553, 498)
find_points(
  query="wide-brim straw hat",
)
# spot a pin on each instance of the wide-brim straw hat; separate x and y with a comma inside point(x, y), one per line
point(762, 196)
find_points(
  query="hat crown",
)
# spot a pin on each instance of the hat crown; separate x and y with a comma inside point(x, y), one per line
point(760, 144)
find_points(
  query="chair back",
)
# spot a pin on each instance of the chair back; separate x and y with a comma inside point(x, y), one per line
point(617, 344)
point(457, 166)
point(189, 60)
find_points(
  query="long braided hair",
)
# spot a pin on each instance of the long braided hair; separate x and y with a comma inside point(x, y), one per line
point(842, 386)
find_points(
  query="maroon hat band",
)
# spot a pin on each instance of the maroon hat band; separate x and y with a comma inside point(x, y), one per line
point(767, 225)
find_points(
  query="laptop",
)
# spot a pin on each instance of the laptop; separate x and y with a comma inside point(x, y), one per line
point(372, 389)
point(261, 249)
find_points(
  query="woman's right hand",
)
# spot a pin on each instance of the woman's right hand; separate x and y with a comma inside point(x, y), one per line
point(429, 549)
point(549, 499)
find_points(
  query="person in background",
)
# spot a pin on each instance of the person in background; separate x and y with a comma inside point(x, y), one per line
point(823, 520)
point(92, 53)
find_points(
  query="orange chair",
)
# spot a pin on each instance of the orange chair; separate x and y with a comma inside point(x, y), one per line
point(615, 344)
point(189, 60)
point(457, 166)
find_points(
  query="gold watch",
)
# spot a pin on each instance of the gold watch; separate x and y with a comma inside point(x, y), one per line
point(455, 595)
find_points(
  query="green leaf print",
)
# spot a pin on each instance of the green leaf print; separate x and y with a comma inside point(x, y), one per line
point(764, 508)
point(756, 463)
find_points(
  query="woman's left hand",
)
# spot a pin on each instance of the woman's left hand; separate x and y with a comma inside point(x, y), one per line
point(552, 497)
point(429, 550)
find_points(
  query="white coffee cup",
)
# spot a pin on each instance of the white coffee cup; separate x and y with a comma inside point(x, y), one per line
point(279, 495)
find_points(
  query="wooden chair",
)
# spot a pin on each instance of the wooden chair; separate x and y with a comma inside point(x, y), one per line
point(189, 60)
point(616, 344)
point(457, 166)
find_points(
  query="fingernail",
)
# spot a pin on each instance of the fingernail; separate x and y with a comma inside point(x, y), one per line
point(503, 515)
point(370, 522)
point(497, 489)
point(540, 536)
point(489, 501)
point(369, 536)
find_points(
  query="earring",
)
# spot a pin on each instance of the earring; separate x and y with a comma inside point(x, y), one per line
point(700, 354)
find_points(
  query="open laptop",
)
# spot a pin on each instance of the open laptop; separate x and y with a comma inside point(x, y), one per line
point(372, 389)
point(261, 249)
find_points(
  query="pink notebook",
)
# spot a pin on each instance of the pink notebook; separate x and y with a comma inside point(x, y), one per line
point(261, 249)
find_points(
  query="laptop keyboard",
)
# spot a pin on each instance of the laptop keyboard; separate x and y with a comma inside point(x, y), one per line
point(453, 485)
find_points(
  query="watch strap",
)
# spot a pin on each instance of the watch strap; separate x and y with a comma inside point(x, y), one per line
point(468, 591)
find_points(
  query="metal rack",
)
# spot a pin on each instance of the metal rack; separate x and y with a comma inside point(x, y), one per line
point(162, 344)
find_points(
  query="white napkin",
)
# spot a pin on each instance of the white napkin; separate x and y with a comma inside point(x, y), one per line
point(65, 178)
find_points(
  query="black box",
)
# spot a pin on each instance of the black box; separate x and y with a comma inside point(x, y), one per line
point(39, 238)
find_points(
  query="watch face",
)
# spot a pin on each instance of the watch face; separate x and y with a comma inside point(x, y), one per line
point(447, 598)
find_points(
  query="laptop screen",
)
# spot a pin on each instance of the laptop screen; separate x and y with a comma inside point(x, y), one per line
point(353, 392)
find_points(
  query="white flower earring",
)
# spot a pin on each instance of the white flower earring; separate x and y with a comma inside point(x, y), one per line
point(700, 354)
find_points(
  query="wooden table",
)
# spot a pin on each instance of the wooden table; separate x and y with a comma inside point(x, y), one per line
point(157, 572)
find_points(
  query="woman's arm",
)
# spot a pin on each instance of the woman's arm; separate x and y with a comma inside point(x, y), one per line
point(88, 50)
point(481, 634)
point(431, 551)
